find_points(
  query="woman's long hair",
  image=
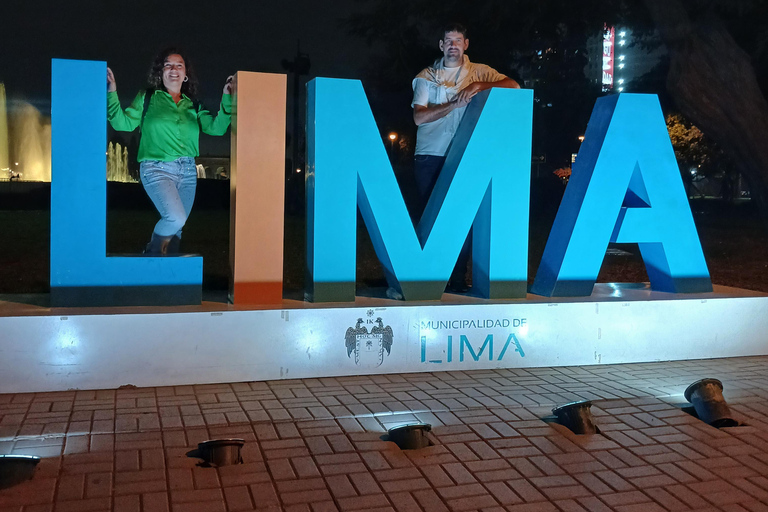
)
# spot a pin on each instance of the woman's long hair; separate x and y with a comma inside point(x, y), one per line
point(155, 78)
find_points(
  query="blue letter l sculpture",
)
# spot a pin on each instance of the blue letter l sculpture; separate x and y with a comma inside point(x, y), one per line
point(81, 272)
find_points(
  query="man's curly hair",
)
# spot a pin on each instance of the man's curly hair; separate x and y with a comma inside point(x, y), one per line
point(454, 27)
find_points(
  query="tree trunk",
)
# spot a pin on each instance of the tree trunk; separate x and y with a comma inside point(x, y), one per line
point(713, 83)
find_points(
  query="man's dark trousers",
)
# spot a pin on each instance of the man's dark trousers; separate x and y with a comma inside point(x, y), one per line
point(426, 169)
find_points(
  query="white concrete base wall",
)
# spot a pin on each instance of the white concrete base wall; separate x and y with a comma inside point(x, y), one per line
point(48, 353)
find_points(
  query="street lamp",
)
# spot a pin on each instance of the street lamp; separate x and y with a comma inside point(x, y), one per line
point(392, 139)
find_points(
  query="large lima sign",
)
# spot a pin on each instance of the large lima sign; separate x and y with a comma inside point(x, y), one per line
point(625, 188)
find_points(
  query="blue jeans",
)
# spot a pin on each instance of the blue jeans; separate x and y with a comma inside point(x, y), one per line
point(171, 187)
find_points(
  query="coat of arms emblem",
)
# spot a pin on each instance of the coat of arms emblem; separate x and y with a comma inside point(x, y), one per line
point(369, 346)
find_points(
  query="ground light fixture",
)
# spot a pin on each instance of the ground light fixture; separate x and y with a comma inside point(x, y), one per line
point(410, 437)
point(220, 452)
point(706, 395)
point(15, 469)
point(577, 417)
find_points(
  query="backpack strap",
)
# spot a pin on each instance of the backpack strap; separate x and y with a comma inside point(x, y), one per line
point(197, 106)
point(147, 98)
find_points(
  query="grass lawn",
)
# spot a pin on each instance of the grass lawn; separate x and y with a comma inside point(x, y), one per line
point(735, 246)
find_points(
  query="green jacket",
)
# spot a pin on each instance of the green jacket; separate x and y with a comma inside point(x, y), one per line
point(169, 130)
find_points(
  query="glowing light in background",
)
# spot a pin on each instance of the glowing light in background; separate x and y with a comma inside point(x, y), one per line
point(30, 141)
point(4, 155)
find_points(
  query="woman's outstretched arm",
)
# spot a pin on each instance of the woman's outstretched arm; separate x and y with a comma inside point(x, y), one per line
point(218, 125)
point(122, 120)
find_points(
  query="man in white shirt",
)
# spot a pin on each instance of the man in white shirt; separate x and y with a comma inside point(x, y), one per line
point(441, 94)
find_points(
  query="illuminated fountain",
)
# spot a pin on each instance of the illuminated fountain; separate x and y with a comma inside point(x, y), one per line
point(31, 142)
point(25, 141)
point(5, 168)
point(25, 145)
point(117, 164)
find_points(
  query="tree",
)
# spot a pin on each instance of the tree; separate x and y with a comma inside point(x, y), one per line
point(509, 34)
point(698, 156)
point(713, 82)
point(691, 148)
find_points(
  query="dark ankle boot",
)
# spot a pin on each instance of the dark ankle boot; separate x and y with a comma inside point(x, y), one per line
point(174, 245)
point(158, 245)
point(457, 285)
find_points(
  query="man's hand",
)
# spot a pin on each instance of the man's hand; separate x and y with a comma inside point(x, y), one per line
point(423, 114)
point(461, 101)
point(111, 84)
point(472, 89)
point(469, 92)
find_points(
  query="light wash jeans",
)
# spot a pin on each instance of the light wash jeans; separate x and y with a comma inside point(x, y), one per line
point(171, 186)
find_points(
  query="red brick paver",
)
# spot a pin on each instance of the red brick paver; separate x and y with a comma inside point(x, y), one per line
point(315, 445)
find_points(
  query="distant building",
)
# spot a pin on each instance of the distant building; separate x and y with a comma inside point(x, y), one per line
point(618, 57)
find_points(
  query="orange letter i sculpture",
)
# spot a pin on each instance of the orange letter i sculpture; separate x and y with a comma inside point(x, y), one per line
point(257, 188)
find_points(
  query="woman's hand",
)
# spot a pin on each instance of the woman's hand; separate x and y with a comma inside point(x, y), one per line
point(228, 84)
point(111, 84)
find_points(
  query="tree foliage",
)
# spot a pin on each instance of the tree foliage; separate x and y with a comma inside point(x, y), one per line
point(506, 34)
point(716, 74)
point(714, 84)
point(692, 149)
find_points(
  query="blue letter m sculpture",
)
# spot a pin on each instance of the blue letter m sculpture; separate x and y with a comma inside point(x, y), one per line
point(625, 188)
point(484, 184)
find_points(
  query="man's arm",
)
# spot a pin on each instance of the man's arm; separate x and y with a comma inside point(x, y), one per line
point(423, 114)
point(475, 87)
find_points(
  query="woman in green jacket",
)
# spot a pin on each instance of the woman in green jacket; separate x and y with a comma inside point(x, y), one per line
point(170, 120)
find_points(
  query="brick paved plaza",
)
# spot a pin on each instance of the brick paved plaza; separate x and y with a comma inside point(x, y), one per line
point(315, 444)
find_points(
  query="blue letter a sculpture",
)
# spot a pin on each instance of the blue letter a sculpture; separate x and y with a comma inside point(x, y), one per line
point(625, 188)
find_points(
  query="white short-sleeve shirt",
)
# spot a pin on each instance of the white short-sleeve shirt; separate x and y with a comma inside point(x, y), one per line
point(437, 85)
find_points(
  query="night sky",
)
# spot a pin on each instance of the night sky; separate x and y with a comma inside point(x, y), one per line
point(220, 37)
